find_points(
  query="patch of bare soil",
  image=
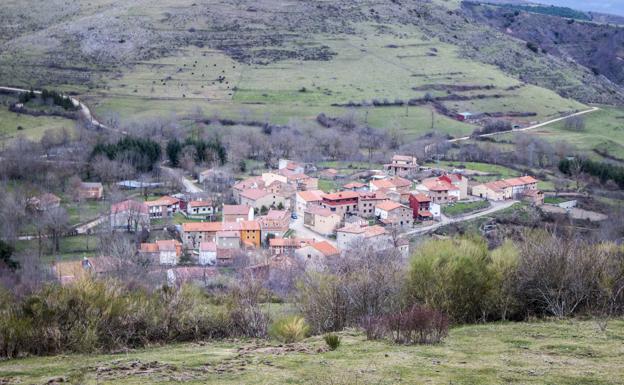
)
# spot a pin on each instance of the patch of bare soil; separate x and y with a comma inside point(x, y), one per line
point(118, 370)
point(280, 349)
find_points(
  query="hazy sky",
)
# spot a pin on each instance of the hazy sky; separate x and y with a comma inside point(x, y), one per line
point(606, 6)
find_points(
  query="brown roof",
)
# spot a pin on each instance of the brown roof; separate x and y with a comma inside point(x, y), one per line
point(202, 226)
point(236, 209)
point(228, 234)
point(276, 214)
point(326, 248)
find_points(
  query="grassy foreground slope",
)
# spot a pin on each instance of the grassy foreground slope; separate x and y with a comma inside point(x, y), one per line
point(562, 352)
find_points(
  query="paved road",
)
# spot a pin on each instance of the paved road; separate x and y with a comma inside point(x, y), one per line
point(496, 206)
point(188, 185)
point(304, 232)
point(530, 127)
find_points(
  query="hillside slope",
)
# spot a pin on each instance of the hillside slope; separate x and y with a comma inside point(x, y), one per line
point(290, 59)
point(599, 47)
point(565, 352)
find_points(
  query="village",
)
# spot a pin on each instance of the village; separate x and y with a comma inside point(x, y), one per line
point(280, 218)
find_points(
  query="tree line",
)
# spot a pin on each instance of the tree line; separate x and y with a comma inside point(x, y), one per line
point(602, 170)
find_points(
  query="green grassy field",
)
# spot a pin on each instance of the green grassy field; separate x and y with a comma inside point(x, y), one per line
point(373, 63)
point(461, 208)
point(557, 352)
point(32, 127)
point(71, 248)
point(604, 130)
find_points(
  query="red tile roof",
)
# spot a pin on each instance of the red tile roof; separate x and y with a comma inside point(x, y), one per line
point(388, 205)
point(326, 248)
point(421, 198)
point(341, 195)
point(311, 195)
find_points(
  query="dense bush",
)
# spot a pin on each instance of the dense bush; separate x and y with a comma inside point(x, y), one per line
point(290, 329)
point(452, 276)
point(95, 315)
point(416, 324)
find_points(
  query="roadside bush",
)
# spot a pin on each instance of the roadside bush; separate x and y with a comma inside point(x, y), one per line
point(417, 325)
point(290, 329)
point(332, 340)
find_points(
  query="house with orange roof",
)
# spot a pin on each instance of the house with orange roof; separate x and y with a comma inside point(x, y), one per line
point(342, 203)
point(395, 183)
point(394, 213)
point(315, 255)
point(459, 181)
point(163, 252)
point(259, 199)
point(420, 205)
point(201, 208)
point(512, 188)
point(164, 206)
point(307, 199)
point(440, 191)
point(193, 233)
point(233, 213)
